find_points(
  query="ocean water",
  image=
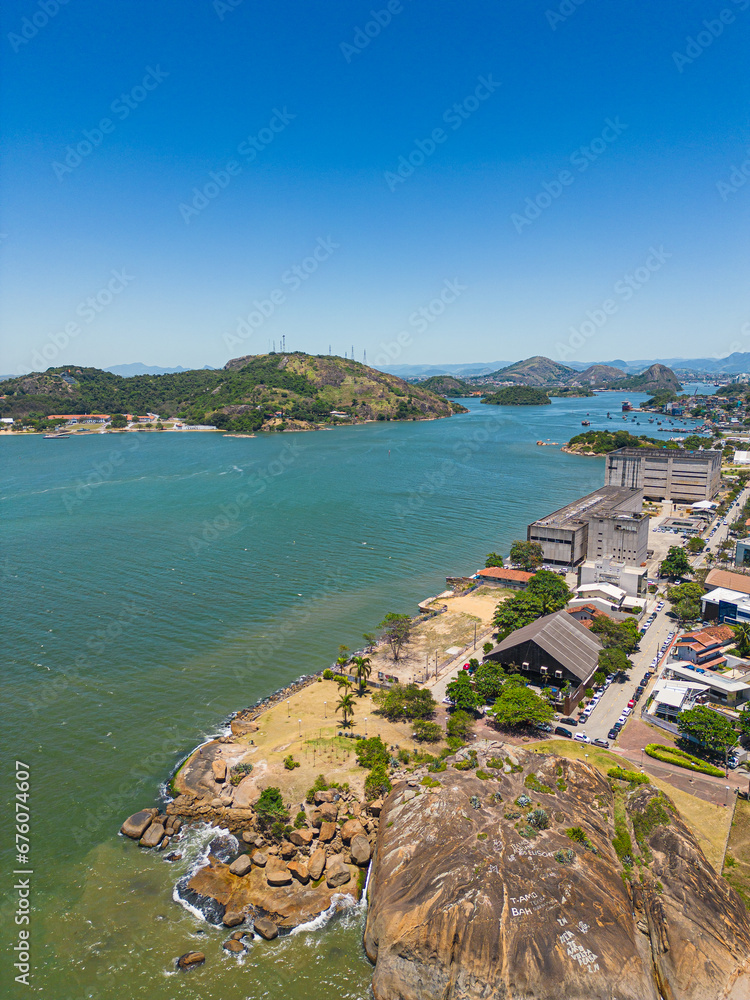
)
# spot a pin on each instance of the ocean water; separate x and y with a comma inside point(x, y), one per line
point(154, 583)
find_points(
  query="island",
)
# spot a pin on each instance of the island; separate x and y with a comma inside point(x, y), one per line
point(518, 395)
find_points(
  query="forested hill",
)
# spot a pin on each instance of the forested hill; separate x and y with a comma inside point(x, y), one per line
point(242, 396)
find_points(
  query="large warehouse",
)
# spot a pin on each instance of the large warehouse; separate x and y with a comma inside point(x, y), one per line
point(666, 473)
point(606, 524)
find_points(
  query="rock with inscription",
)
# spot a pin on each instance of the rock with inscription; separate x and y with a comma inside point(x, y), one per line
point(137, 824)
point(473, 897)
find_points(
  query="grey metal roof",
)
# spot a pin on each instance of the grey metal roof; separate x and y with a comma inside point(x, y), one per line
point(564, 638)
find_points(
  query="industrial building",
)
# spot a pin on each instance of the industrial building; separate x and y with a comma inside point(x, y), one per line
point(606, 524)
point(666, 473)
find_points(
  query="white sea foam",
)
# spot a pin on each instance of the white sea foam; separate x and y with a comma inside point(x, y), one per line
point(340, 903)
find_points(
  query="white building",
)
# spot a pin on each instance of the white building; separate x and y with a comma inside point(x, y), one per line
point(632, 579)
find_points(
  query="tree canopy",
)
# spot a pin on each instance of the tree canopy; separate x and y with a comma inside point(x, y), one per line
point(405, 701)
point(493, 559)
point(396, 631)
point(676, 564)
point(546, 592)
point(708, 728)
point(616, 635)
point(519, 706)
point(550, 589)
point(527, 555)
point(462, 694)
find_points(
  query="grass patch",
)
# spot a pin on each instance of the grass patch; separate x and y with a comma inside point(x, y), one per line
point(737, 862)
point(429, 782)
point(484, 775)
point(481, 836)
point(531, 781)
point(621, 841)
point(657, 813)
point(632, 777)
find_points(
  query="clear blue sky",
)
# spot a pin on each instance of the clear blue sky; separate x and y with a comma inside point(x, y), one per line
point(316, 117)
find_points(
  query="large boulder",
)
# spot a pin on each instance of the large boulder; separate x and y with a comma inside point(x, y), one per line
point(360, 848)
point(241, 865)
point(326, 796)
point(327, 832)
point(234, 945)
point(153, 836)
point(337, 873)
point(266, 928)
point(329, 812)
point(299, 871)
point(317, 864)
point(137, 824)
point(219, 770)
point(301, 838)
point(260, 859)
point(352, 828)
point(278, 875)
point(190, 959)
point(478, 891)
point(232, 917)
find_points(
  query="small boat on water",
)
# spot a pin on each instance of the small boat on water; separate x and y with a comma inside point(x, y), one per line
point(54, 437)
point(585, 423)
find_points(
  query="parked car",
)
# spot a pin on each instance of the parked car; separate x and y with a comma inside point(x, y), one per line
point(618, 726)
point(581, 738)
point(562, 731)
point(622, 720)
point(627, 711)
point(613, 734)
point(631, 703)
point(600, 743)
point(545, 727)
point(570, 722)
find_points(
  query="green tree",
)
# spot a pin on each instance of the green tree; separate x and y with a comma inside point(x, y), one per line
point(687, 611)
point(515, 612)
point(405, 701)
point(460, 725)
point(493, 559)
point(371, 752)
point(613, 659)
point(119, 420)
point(690, 591)
point(616, 635)
point(527, 555)
point(427, 732)
point(362, 671)
point(599, 677)
point(270, 806)
point(345, 705)
point(676, 564)
point(488, 680)
point(550, 589)
point(708, 728)
point(396, 631)
point(462, 694)
point(519, 706)
point(695, 545)
point(370, 640)
point(742, 640)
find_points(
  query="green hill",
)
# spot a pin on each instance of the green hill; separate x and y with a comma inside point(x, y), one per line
point(653, 379)
point(603, 442)
point(248, 394)
point(447, 385)
point(535, 371)
point(519, 395)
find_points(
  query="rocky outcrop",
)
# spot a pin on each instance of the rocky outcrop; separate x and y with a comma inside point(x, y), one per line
point(502, 881)
point(137, 824)
point(190, 959)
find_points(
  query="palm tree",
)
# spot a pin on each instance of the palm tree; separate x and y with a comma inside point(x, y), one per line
point(343, 658)
point(362, 671)
point(345, 705)
point(343, 682)
point(742, 639)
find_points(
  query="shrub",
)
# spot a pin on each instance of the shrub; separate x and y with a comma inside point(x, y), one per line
point(427, 732)
point(403, 756)
point(405, 701)
point(634, 777)
point(429, 782)
point(372, 752)
point(290, 763)
point(539, 819)
point(460, 725)
point(475, 801)
point(377, 783)
point(328, 674)
point(300, 820)
point(320, 785)
point(532, 782)
point(238, 772)
point(576, 834)
point(672, 755)
point(270, 806)
point(566, 857)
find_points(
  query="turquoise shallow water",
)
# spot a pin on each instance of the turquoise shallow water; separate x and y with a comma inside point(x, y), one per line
point(153, 584)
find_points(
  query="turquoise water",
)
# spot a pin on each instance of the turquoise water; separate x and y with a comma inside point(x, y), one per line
point(155, 583)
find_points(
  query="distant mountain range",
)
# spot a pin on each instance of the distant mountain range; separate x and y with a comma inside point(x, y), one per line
point(137, 368)
point(425, 371)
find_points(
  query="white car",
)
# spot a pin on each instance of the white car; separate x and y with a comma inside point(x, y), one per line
point(626, 712)
point(623, 719)
point(581, 738)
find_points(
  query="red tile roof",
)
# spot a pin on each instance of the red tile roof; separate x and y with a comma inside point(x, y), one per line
point(500, 573)
point(731, 581)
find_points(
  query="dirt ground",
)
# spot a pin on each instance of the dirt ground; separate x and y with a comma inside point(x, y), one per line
point(432, 638)
point(306, 727)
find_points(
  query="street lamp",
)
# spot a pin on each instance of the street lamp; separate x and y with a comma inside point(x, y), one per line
point(287, 708)
point(300, 726)
point(365, 726)
point(643, 749)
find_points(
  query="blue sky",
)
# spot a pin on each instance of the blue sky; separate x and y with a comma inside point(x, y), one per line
point(175, 163)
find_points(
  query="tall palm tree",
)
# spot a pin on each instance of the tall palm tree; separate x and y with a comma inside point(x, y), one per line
point(343, 682)
point(362, 671)
point(742, 638)
point(345, 705)
point(343, 658)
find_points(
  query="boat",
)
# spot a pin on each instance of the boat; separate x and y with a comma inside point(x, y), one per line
point(626, 406)
point(54, 437)
point(585, 423)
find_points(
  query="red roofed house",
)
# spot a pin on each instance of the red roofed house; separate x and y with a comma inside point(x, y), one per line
point(516, 579)
point(703, 647)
